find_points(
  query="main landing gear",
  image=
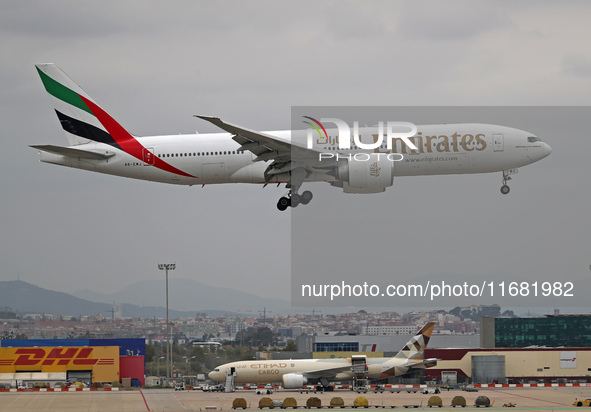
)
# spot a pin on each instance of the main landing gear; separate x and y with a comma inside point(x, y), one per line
point(322, 388)
point(294, 199)
point(324, 385)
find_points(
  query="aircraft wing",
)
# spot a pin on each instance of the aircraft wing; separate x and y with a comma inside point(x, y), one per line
point(71, 152)
point(263, 145)
point(285, 155)
point(328, 372)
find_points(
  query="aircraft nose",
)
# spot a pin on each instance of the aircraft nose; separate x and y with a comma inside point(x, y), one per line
point(546, 149)
point(211, 375)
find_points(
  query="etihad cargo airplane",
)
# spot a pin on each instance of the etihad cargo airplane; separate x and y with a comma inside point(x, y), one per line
point(293, 374)
point(98, 143)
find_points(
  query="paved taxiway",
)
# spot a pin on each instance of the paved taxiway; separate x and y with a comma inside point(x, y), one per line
point(534, 399)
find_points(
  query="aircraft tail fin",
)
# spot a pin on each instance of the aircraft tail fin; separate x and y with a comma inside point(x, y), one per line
point(412, 355)
point(81, 118)
point(415, 347)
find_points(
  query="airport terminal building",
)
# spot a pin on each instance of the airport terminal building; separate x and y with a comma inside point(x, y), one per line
point(50, 361)
point(510, 365)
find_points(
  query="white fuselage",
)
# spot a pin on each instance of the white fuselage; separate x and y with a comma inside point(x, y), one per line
point(215, 158)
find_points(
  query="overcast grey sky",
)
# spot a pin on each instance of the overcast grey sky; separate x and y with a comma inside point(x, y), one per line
point(152, 65)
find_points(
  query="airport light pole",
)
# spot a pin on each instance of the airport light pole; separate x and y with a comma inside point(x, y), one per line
point(166, 267)
point(158, 368)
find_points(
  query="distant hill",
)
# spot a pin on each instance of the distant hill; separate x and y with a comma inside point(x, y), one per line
point(188, 295)
point(24, 297)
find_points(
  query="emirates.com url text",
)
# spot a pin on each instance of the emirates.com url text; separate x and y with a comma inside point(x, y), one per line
point(442, 289)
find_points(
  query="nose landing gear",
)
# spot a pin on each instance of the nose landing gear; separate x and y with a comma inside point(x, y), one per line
point(292, 199)
point(505, 188)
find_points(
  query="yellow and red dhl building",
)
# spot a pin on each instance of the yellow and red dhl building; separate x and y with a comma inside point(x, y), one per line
point(47, 360)
point(100, 363)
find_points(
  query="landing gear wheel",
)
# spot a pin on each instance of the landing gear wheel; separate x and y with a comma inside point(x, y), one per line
point(283, 203)
point(505, 189)
point(306, 197)
point(295, 200)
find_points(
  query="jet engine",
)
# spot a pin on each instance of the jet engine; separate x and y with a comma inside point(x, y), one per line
point(366, 176)
point(294, 381)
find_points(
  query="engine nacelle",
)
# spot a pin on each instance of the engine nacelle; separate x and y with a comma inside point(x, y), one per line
point(371, 176)
point(294, 381)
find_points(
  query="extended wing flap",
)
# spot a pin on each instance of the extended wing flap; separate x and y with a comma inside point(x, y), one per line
point(77, 153)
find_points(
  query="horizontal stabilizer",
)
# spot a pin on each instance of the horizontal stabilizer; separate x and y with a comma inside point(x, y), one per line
point(77, 153)
point(427, 363)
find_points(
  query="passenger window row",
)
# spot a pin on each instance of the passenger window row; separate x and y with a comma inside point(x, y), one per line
point(197, 154)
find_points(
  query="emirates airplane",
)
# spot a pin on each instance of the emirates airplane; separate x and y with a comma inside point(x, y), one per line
point(293, 374)
point(98, 143)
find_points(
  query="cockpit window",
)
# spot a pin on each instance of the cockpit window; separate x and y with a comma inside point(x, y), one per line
point(532, 139)
point(216, 370)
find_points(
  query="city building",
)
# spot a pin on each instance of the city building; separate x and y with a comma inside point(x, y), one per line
point(389, 330)
point(194, 331)
point(549, 331)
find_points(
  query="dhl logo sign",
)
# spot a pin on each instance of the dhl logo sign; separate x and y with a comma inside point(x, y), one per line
point(40, 357)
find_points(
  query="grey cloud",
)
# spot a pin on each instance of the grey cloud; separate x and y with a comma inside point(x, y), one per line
point(579, 66)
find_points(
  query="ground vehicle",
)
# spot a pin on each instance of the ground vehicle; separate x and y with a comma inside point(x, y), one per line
point(213, 388)
point(179, 387)
point(267, 390)
point(582, 402)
